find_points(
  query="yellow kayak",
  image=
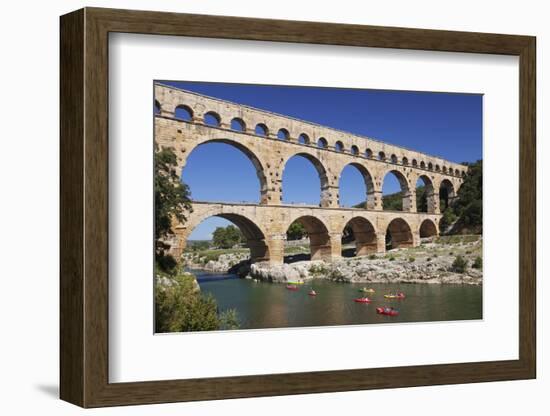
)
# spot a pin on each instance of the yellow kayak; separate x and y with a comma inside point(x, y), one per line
point(400, 296)
point(295, 283)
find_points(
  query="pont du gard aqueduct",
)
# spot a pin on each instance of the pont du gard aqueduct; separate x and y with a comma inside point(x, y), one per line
point(185, 120)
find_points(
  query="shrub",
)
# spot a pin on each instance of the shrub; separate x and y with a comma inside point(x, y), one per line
point(392, 258)
point(429, 259)
point(167, 264)
point(478, 263)
point(451, 253)
point(411, 259)
point(372, 257)
point(459, 264)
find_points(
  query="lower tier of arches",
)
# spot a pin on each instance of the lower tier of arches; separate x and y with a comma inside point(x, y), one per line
point(264, 228)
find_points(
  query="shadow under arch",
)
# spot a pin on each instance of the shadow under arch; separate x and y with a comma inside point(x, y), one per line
point(404, 186)
point(253, 234)
point(260, 171)
point(369, 183)
point(446, 194)
point(324, 200)
point(399, 234)
point(319, 237)
point(427, 229)
point(364, 235)
point(429, 195)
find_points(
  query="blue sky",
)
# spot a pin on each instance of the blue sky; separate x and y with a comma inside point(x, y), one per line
point(440, 124)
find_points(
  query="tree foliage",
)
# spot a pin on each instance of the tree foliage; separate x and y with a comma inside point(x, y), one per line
point(467, 209)
point(226, 237)
point(180, 307)
point(296, 231)
point(172, 197)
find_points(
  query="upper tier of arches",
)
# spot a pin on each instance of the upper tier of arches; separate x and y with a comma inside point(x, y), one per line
point(221, 114)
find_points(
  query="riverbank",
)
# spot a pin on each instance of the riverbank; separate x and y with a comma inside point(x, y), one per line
point(448, 259)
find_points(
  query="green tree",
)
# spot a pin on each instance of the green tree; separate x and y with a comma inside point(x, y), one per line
point(296, 231)
point(172, 197)
point(226, 237)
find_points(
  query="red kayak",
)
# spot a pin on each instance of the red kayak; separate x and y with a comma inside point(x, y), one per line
point(292, 287)
point(362, 300)
point(387, 311)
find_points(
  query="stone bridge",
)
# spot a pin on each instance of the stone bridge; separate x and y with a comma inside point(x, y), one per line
point(185, 120)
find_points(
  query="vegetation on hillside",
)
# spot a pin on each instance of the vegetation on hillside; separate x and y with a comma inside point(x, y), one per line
point(181, 307)
point(466, 213)
point(172, 201)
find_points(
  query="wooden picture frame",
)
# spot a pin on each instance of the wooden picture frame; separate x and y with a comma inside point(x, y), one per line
point(84, 207)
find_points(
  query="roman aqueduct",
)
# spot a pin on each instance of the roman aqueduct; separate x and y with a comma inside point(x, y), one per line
point(185, 120)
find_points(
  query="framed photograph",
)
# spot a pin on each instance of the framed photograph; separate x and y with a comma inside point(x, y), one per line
point(256, 207)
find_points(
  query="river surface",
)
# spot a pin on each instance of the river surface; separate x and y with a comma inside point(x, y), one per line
point(271, 305)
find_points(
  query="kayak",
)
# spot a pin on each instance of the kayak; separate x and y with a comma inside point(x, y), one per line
point(362, 300)
point(312, 293)
point(402, 296)
point(365, 290)
point(387, 311)
point(292, 287)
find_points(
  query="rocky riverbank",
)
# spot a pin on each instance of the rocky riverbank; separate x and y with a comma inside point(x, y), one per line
point(433, 262)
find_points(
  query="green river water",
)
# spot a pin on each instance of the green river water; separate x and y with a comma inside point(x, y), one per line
point(271, 305)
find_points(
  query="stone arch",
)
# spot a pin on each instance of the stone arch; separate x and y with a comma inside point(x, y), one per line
point(261, 130)
point(369, 183)
point(381, 156)
point(324, 200)
point(238, 124)
point(303, 139)
point(354, 150)
point(364, 235)
point(427, 229)
point(399, 234)
point(252, 232)
point(283, 134)
point(211, 118)
point(368, 153)
point(183, 112)
point(403, 184)
point(423, 165)
point(393, 158)
point(430, 166)
point(339, 146)
point(322, 143)
point(429, 193)
point(446, 194)
point(405, 161)
point(256, 162)
point(319, 237)
point(157, 108)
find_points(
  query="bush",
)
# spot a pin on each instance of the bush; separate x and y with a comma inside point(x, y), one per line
point(180, 307)
point(167, 264)
point(392, 258)
point(459, 264)
point(372, 257)
point(411, 259)
point(478, 263)
point(429, 259)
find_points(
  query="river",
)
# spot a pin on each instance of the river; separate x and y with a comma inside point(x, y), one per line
point(271, 305)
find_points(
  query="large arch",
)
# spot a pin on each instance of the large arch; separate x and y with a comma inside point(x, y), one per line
point(324, 199)
point(404, 186)
point(427, 229)
point(367, 178)
point(319, 237)
point(429, 195)
point(364, 235)
point(399, 234)
point(446, 194)
point(253, 234)
point(258, 166)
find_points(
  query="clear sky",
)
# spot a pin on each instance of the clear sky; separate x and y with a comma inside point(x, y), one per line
point(440, 124)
